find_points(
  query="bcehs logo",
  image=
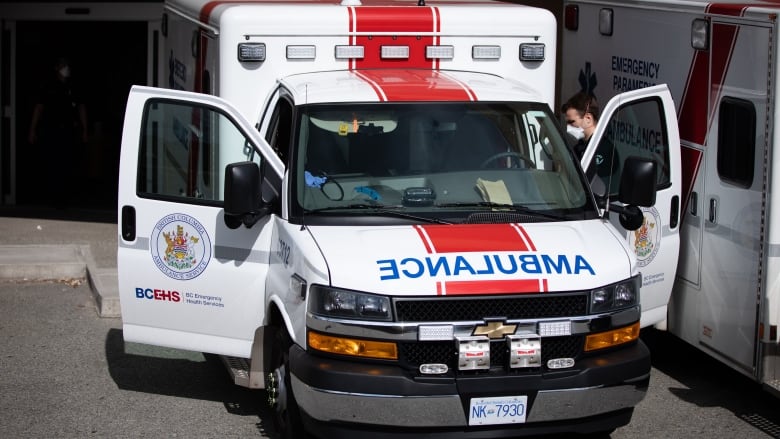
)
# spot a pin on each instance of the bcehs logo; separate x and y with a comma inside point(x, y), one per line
point(157, 294)
point(180, 246)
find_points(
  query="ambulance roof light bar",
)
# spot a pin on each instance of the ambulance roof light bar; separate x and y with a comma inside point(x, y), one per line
point(251, 52)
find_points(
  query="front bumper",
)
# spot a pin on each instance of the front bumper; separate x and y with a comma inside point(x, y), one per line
point(598, 394)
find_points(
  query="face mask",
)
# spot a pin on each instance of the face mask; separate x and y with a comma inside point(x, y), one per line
point(65, 72)
point(577, 133)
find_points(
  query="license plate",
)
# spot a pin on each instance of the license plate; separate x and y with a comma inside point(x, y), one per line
point(498, 410)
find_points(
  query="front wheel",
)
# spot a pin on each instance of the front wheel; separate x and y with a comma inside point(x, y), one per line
point(287, 417)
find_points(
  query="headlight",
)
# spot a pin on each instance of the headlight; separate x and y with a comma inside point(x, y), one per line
point(346, 304)
point(623, 294)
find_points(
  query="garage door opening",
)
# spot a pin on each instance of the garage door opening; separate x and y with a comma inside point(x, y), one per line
point(106, 59)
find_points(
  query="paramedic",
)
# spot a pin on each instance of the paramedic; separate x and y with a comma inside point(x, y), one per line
point(582, 115)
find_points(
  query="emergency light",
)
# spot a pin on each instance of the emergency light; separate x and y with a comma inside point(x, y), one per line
point(605, 22)
point(486, 52)
point(439, 52)
point(532, 52)
point(435, 333)
point(350, 52)
point(301, 52)
point(700, 38)
point(571, 17)
point(555, 329)
point(395, 52)
point(251, 52)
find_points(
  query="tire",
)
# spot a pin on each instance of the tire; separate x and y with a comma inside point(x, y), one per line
point(286, 414)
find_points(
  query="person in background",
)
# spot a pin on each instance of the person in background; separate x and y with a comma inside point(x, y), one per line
point(582, 114)
point(58, 127)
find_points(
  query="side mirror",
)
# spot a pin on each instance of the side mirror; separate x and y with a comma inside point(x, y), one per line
point(637, 188)
point(637, 183)
point(243, 199)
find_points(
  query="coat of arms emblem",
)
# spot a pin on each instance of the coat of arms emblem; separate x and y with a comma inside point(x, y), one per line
point(180, 246)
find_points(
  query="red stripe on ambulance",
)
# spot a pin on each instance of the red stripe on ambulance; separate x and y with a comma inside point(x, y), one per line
point(415, 78)
point(378, 26)
point(466, 238)
point(462, 238)
point(415, 85)
point(708, 70)
point(509, 286)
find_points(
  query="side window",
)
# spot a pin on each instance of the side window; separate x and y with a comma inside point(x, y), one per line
point(184, 150)
point(736, 141)
point(279, 132)
point(636, 129)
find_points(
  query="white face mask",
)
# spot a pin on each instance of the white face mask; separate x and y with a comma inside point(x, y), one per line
point(65, 72)
point(577, 133)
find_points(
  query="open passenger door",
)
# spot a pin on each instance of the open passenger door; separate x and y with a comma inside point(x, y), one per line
point(186, 279)
point(643, 123)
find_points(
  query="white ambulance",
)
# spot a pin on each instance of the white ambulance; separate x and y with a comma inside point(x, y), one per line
point(719, 60)
point(369, 210)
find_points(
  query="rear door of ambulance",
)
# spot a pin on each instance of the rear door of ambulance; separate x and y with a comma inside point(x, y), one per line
point(187, 280)
point(732, 187)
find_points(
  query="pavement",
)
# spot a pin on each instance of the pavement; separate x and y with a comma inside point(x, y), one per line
point(62, 245)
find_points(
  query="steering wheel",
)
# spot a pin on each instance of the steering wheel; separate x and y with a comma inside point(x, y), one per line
point(515, 155)
point(332, 190)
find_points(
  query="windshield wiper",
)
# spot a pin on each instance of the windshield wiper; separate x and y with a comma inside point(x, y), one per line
point(506, 207)
point(378, 209)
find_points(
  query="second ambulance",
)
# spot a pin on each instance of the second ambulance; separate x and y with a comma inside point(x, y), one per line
point(369, 211)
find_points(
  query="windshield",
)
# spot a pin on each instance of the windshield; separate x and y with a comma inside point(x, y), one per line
point(437, 161)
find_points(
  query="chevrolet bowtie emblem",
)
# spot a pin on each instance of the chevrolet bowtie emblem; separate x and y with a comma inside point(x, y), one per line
point(495, 329)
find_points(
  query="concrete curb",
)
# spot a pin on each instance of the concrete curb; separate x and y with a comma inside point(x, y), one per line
point(58, 263)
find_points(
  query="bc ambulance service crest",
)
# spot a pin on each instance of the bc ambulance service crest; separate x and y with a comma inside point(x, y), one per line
point(646, 240)
point(180, 246)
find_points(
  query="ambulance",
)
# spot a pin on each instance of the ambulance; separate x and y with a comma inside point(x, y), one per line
point(719, 60)
point(369, 211)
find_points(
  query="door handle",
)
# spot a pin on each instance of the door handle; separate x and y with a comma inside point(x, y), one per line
point(693, 204)
point(128, 223)
point(713, 210)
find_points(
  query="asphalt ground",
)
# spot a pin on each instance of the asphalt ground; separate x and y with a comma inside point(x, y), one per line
point(62, 244)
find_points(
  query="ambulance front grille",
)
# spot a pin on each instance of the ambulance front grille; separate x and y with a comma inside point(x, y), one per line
point(537, 306)
point(412, 355)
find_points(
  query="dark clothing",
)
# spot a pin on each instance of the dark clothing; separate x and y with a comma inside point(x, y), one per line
point(59, 139)
point(59, 124)
point(579, 147)
point(606, 160)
